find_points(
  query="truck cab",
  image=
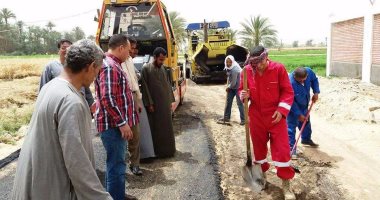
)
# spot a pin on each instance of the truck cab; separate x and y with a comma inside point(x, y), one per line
point(148, 22)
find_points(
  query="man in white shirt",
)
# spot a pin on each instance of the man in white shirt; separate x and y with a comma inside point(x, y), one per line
point(134, 144)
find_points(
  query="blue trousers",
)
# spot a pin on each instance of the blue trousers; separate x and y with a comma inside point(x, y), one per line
point(230, 98)
point(115, 147)
point(293, 123)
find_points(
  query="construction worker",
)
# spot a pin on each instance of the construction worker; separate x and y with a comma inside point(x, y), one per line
point(302, 79)
point(271, 97)
point(233, 76)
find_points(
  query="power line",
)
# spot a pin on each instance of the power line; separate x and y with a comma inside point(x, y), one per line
point(49, 20)
point(61, 18)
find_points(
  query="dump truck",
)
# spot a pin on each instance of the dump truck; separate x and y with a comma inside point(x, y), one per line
point(148, 22)
point(208, 46)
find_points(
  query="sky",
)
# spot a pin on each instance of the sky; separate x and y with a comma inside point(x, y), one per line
point(299, 20)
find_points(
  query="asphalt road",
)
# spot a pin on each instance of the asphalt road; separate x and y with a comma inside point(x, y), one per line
point(191, 174)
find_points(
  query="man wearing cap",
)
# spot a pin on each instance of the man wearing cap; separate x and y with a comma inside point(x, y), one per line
point(271, 96)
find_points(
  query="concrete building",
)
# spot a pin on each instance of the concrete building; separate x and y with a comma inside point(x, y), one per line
point(354, 44)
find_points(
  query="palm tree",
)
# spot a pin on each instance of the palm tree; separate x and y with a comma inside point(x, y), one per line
point(50, 26)
point(6, 14)
point(78, 33)
point(258, 31)
point(20, 25)
point(178, 24)
point(233, 34)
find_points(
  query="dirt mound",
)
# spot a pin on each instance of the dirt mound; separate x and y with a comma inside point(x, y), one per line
point(349, 99)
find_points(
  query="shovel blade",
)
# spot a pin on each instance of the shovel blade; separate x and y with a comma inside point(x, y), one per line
point(253, 176)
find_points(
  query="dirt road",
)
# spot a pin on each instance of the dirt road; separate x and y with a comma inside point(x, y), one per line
point(346, 124)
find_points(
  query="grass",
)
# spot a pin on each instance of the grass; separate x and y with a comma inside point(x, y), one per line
point(11, 68)
point(313, 58)
point(29, 57)
point(11, 120)
point(19, 80)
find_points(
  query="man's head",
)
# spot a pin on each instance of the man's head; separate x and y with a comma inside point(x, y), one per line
point(133, 50)
point(119, 46)
point(228, 62)
point(258, 57)
point(84, 59)
point(159, 55)
point(63, 45)
point(300, 74)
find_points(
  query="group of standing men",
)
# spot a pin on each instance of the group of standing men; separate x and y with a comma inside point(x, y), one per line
point(57, 159)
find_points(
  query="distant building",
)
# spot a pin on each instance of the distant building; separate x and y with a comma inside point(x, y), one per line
point(354, 45)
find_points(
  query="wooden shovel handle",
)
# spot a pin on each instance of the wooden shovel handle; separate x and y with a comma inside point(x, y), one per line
point(247, 134)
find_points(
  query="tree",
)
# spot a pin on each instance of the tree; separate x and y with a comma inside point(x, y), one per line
point(68, 36)
point(20, 26)
point(178, 24)
point(295, 44)
point(91, 37)
point(78, 34)
point(6, 14)
point(258, 31)
point(233, 34)
point(50, 26)
point(309, 43)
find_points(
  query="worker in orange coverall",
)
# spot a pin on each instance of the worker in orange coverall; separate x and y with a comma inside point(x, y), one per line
point(271, 96)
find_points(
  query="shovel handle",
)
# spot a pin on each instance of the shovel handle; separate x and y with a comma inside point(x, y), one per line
point(247, 137)
point(302, 128)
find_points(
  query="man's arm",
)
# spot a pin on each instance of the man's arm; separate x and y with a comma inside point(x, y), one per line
point(286, 92)
point(147, 98)
point(89, 97)
point(108, 84)
point(314, 81)
point(234, 77)
point(45, 76)
point(295, 109)
point(78, 165)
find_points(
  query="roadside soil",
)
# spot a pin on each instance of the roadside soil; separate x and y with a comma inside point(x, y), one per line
point(346, 124)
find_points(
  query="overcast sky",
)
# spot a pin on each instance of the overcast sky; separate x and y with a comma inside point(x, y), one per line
point(293, 19)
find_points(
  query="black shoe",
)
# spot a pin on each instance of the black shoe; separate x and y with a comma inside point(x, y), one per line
point(136, 170)
point(130, 197)
point(147, 160)
point(224, 120)
point(310, 143)
point(242, 123)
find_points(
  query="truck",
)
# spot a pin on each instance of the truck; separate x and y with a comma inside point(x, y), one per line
point(148, 22)
point(208, 46)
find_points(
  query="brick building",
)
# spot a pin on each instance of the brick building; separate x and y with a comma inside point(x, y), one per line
point(354, 45)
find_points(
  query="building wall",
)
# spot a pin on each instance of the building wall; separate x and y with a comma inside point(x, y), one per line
point(375, 68)
point(347, 48)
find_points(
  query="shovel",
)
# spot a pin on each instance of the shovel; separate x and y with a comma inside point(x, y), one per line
point(252, 173)
point(303, 127)
point(296, 169)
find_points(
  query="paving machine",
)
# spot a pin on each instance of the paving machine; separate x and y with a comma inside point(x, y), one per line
point(208, 46)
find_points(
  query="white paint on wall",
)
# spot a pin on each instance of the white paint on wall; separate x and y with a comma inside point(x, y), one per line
point(367, 47)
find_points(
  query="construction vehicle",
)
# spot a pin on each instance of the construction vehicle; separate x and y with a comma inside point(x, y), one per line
point(148, 22)
point(208, 46)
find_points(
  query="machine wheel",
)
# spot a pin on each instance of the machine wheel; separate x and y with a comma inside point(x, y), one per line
point(181, 101)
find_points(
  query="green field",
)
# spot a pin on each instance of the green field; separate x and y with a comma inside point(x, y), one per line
point(314, 58)
point(29, 56)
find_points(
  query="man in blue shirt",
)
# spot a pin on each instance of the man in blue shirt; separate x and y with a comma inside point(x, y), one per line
point(302, 79)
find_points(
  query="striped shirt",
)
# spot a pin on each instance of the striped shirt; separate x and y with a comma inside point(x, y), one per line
point(114, 105)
